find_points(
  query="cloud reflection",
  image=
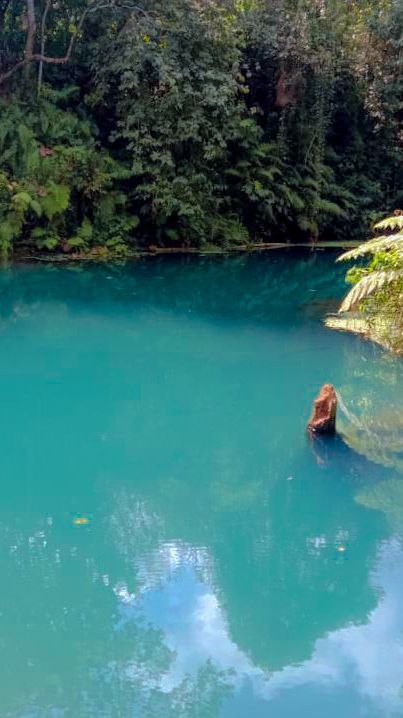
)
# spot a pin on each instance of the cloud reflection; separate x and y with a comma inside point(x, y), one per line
point(365, 660)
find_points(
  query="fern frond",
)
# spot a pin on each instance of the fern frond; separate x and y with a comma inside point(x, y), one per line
point(325, 206)
point(391, 223)
point(269, 174)
point(380, 244)
point(293, 199)
point(313, 184)
point(233, 173)
point(367, 286)
point(340, 192)
point(56, 199)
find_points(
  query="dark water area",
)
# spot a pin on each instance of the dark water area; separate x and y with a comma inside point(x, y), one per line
point(171, 543)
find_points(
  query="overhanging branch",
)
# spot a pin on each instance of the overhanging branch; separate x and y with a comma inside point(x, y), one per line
point(31, 56)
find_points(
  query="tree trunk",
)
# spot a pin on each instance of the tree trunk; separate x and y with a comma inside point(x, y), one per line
point(31, 32)
point(323, 419)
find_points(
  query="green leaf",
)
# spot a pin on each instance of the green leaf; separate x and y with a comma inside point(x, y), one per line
point(36, 207)
point(56, 199)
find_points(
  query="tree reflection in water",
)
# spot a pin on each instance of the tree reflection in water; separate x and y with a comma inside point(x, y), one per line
point(170, 405)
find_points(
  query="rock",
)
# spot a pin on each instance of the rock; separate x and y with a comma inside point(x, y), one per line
point(323, 419)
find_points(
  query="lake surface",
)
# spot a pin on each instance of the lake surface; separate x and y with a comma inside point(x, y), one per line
point(171, 543)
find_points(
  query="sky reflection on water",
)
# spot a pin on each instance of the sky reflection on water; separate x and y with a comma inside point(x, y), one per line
point(366, 659)
point(167, 403)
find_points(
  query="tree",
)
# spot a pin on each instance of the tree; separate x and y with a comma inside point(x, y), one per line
point(232, 122)
point(34, 30)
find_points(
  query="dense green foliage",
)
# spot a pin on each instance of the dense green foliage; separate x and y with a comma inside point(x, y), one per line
point(196, 122)
point(378, 287)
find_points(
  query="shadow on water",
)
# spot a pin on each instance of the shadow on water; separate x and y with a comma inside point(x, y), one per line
point(246, 287)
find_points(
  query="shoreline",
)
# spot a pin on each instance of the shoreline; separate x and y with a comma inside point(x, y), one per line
point(359, 326)
point(154, 251)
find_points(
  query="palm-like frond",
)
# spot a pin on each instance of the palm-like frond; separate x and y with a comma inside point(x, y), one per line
point(379, 244)
point(368, 285)
point(391, 223)
point(325, 206)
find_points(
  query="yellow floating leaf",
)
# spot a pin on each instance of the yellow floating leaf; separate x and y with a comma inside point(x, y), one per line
point(81, 521)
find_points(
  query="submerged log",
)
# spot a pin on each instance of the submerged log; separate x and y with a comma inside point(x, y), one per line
point(323, 419)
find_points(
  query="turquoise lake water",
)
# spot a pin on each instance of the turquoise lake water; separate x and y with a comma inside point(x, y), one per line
point(171, 543)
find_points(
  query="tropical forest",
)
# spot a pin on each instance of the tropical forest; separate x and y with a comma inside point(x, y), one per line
point(205, 123)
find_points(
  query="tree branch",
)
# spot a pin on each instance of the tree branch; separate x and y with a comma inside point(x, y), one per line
point(6, 75)
point(43, 40)
point(31, 56)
